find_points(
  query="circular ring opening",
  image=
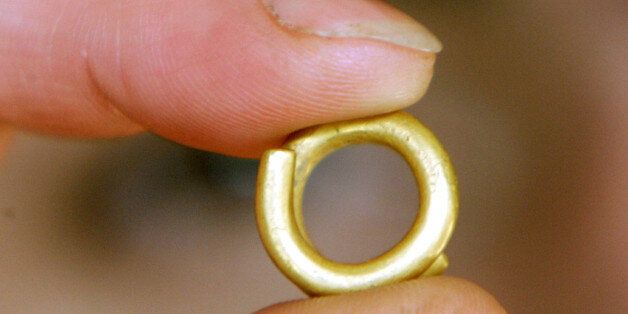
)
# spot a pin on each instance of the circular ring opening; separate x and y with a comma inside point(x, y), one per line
point(364, 194)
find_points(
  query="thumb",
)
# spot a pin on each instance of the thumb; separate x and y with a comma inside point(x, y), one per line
point(229, 76)
point(428, 295)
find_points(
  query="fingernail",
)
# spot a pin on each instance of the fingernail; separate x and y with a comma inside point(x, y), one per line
point(353, 19)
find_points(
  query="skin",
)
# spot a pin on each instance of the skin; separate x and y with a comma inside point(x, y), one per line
point(189, 71)
point(216, 75)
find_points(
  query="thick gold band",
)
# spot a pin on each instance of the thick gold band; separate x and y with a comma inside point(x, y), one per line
point(282, 178)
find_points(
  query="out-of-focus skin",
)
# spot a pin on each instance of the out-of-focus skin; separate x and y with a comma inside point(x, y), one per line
point(6, 133)
point(230, 77)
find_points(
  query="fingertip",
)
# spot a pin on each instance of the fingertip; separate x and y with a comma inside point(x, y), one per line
point(427, 295)
point(222, 76)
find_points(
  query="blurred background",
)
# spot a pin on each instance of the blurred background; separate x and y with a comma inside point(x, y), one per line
point(530, 99)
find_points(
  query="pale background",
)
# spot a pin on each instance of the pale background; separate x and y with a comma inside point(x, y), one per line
point(529, 98)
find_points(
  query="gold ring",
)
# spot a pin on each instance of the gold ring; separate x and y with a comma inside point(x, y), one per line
point(282, 178)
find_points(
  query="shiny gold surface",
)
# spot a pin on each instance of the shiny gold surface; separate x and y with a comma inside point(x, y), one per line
point(282, 178)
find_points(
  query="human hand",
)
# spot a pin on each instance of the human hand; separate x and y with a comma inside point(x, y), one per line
point(234, 78)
